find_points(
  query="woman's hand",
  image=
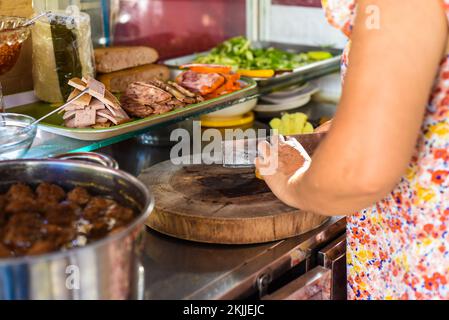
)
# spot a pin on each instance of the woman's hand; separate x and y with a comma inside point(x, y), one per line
point(325, 127)
point(281, 164)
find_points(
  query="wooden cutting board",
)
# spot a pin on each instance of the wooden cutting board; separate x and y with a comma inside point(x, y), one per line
point(212, 204)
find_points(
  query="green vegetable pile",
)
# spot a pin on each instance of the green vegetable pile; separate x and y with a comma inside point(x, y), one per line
point(238, 53)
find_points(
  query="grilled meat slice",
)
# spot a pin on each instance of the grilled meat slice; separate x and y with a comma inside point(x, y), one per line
point(173, 91)
point(162, 108)
point(181, 89)
point(175, 104)
point(156, 97)
point(136, 108)
point(186, 92)
point(147, 93)
point(200, 83)
point(142, 100)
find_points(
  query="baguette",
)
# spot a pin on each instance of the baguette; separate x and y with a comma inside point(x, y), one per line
point(120, 58)
point(120, 80)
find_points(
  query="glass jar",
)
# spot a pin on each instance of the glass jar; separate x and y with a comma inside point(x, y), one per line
point(62, 49)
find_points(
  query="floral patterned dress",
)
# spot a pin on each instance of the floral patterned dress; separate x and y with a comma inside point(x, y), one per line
point(399, 248)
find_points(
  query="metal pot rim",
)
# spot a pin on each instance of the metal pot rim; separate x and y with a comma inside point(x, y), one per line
point(145, 212)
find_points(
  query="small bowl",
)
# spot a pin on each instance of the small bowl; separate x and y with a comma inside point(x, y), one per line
point(12, 35)
point(16, 135)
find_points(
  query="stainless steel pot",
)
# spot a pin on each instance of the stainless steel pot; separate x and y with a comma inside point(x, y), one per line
point(105, 269)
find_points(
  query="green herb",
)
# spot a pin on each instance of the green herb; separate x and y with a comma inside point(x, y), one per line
point(238, 53)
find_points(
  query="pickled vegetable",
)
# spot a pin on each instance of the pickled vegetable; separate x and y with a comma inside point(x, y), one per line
point(67, 58)
point(290, 124)
point(62, 49)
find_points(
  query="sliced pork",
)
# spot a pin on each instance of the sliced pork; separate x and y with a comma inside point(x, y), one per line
point(155, 97)
point(200, 83)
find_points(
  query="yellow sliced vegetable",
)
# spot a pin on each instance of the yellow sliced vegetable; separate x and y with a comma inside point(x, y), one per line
point(285, 127)
point(256, 73)
point(275, 123)
point(297, 122)
point(289, 124)
point(319, 55)
point(308, 128)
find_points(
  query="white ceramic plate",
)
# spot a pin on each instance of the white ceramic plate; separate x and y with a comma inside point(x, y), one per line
point(236, 110)
point(287, 99)
point(290, 95)
point(262, 108)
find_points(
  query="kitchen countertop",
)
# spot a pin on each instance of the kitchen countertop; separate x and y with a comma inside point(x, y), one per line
point(178, 269)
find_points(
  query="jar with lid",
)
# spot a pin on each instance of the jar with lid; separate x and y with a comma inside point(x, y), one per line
point(62, 49)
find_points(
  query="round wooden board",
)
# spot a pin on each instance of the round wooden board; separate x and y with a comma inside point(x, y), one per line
point(213, 204)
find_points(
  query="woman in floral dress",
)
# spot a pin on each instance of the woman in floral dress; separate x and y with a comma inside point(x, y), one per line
point(386, 156)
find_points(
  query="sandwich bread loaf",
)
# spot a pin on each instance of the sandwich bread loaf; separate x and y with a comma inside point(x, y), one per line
point(119, 58)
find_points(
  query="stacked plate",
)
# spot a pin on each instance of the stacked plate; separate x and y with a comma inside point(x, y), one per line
point(285, 100)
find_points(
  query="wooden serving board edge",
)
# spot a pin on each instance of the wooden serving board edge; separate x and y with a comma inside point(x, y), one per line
point(200, 228)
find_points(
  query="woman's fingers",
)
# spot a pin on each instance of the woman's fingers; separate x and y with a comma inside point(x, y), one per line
point(258, 163)
point(277, 139)
point(264, 150)
point(324, 127)
point(263, 160)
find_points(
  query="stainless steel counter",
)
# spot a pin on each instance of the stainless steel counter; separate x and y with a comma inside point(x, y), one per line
point(178, 269)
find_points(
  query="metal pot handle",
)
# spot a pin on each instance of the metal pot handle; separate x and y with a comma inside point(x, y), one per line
point(98, 158)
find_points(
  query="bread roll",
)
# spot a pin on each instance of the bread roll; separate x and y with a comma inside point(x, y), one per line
point(118, 81)
point(119, 58)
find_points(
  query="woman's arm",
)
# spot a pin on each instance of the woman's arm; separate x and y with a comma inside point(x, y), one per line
point(376, 127)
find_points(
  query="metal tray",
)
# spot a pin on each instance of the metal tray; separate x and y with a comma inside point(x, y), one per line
point(53, 123)
point(301, 74)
